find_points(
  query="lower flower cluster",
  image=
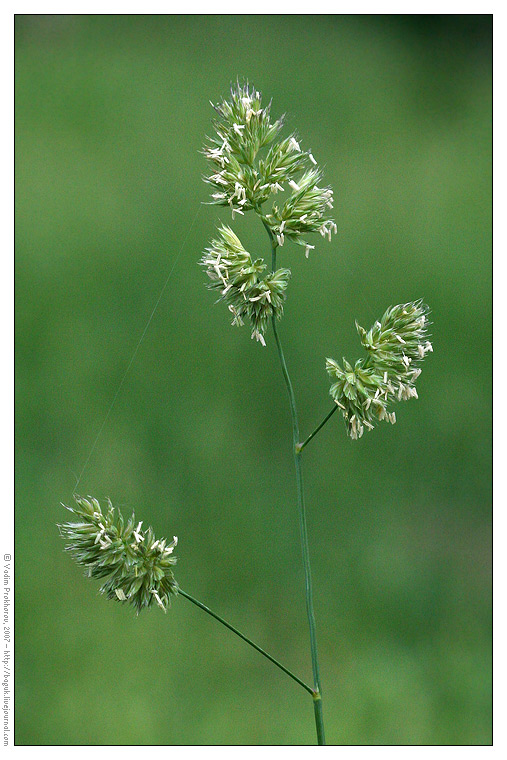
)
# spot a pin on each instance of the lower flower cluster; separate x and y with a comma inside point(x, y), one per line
point(135, 566)
point(396, 346)
point(240, 283)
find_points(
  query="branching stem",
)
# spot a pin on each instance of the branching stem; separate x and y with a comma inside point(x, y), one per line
point(248, 641)
point(300, 446)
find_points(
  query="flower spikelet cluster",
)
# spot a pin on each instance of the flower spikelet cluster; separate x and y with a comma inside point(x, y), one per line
point(249, 164)
point(134, 566)
point(248, 292)
point(395, 347)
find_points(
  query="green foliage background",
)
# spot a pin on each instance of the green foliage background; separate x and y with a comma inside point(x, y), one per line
point(111, 115)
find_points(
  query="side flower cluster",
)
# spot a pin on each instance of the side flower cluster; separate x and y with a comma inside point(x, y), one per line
point(134, 565)
point(241, 283)
point(395, 347)
point(244, 176)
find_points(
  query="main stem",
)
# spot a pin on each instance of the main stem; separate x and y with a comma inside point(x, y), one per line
point(317, 697)
point(248, 641)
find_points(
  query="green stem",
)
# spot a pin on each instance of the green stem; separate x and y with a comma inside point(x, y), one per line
point(300, 446)
point(272, 239)
point(248, 641)
point(317, 704)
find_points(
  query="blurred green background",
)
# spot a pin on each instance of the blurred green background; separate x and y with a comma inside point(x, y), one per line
point(111, 116)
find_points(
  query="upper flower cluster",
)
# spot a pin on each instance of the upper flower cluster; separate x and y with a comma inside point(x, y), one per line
point(244, 176)
point(135, 566)
point(240, 283)
point(395, 346)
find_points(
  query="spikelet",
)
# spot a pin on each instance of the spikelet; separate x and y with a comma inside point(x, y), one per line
point(395, 347)
point(134, 566)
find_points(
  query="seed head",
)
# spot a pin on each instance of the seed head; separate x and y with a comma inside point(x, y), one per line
point(240, 282)
point(244, 176)
point(134, 566)
point(395, 346)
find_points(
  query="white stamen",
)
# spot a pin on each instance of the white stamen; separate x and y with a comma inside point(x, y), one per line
point(258, 336)
point(294, 185)
point(99, 534)
point(137, 534)
point(258, 298)
point(158, 599)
